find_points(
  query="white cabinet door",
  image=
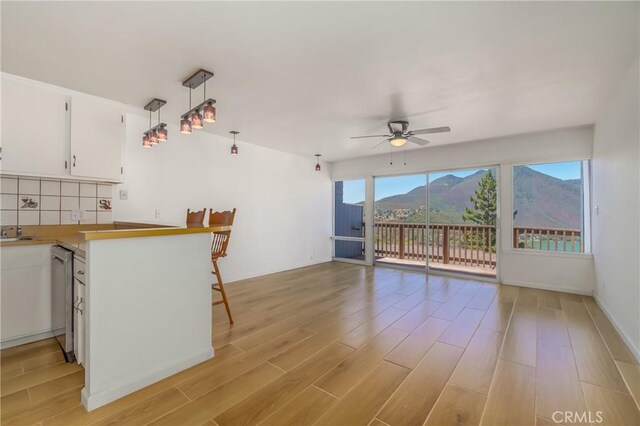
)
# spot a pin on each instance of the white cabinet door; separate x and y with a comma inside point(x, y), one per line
point(34, 129)
point(97, 139)
point(78, 320)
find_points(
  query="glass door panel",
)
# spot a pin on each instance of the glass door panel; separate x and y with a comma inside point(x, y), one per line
point(399, 225)
point(349, 220)
point(462, 222)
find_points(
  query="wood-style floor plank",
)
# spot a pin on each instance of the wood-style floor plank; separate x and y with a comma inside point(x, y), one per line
point(511, 400)
point(457, 406)
point(413, 400)
point(617, 408)
point(346, 344)
point(362, 403)
point(478, 364)
point(414, 347)
point(557, 383)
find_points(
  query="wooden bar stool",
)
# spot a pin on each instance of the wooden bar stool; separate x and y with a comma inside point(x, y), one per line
point(196, 218)
point(219, 249)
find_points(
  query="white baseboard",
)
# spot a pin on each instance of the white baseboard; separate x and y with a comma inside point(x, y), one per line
point(548, 287)
point(634, 350)
point(25, 339)
point(91, 402)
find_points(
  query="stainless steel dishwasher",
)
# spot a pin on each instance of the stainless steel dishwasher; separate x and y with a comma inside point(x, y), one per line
point(62, 299)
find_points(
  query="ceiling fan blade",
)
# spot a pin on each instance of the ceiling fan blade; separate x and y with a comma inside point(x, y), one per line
point(378, 144)
point(370, 136)
point(418, 141)
point(431, 130)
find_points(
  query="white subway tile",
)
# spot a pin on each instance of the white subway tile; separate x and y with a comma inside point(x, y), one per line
point(49, 218)
point(49, 202)
point(70, 189)
point(9, 217)
point(65, 219)
point(9, 202)
point(88, 204)
point(105, 191)
point(70, 203)
point(9, 185)
point(88, 190)
point(105, 217)
point(26, 217)
point(29, 186)
point(50, 187)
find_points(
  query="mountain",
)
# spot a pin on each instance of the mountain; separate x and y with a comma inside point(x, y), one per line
point(541, 200)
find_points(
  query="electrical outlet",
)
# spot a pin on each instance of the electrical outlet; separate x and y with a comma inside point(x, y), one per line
point(78, 214)
point(124, 194)
point(158, 216)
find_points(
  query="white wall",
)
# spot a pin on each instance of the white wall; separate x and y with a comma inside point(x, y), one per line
point(616, 227)
point(564, 272)
point(283, 219)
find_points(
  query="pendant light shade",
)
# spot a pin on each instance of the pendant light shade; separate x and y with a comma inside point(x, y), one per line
point(204, 112)
point(162, 134)
point(153, 138)
point(209, 112)
point(234, 147)
point(157, 133)
point(196, 120)
point(185, 126)
point(318, 167)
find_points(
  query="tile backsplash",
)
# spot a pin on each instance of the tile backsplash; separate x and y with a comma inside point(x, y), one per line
point(35, 201)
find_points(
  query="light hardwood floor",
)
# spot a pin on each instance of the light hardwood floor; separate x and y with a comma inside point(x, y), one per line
point(341, 344)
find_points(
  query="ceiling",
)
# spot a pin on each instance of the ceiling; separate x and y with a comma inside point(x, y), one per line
point(302, 77)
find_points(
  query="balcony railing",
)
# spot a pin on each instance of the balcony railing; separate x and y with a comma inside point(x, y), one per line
point(465, 245)
point(548, 239)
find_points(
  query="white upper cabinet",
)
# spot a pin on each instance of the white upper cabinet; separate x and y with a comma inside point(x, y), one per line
point(34, 129)
point(97, 136)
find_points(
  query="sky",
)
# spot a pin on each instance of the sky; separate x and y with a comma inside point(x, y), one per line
point(387, 186)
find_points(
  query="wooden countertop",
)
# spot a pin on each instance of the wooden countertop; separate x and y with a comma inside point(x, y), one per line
point(74, 237)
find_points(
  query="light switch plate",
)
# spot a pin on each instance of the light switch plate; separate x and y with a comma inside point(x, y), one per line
point(124, 194)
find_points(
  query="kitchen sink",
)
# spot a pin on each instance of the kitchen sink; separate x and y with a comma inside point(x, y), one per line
point(8, 240)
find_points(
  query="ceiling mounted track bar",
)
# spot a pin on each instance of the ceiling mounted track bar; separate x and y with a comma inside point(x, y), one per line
point(155, 105)
point(197, 78)
point(198, 107)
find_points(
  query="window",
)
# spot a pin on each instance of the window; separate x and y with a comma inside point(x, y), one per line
point(549, 210)
point(349, 218)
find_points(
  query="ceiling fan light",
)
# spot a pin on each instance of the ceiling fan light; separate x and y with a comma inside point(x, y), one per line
point(398, 141)
point(196, 120)
point(209, 112)
point(185, 126)
point(162, 134)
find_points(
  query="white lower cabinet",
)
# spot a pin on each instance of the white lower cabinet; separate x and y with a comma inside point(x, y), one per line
point(78, 320)
point(79, 308)
point(25, 294)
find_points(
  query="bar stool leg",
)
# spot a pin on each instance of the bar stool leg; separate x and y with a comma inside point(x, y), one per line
point(219, 286)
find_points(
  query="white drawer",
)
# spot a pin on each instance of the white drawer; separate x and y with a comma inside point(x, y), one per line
point(79, 270)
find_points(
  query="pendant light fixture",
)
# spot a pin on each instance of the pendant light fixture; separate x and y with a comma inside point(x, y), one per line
point(157, 133)
point(318, 168)
point(234, 148)
point(193, 119)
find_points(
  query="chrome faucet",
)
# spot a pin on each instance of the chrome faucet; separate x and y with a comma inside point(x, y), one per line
point(4, 229)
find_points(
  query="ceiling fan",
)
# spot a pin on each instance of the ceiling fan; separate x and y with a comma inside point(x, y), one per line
point(400, 134)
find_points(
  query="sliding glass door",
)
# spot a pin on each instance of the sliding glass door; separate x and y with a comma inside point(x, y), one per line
point(462, 222)
point(399, 227)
